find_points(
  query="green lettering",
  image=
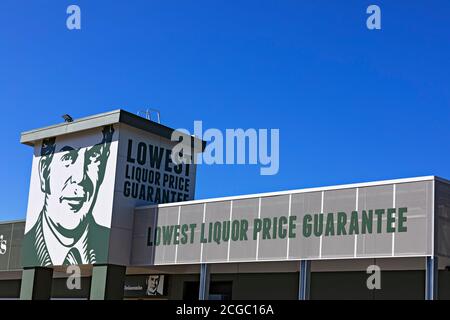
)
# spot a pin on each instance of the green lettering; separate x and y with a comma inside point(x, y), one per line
point(274, 229)
point(184, 236)
point(390, 220)
point(281, 230)
point(257, 224)
point(354, 226)
point(226, 231)
point(216, 234)
point(176, 234)
point(318, 225)
point(202, 234)
point(192, 226)
point(341, 222)
point(379, 213)
point(235, 230)
point(402, 219)
point(167, 234)
point(307, 228)
point(292, 226)
point(367, 222)
point(266, 228)
point(244, 229)
point(329, 228)
point(158, 236)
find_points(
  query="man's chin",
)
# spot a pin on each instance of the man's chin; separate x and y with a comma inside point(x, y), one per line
point(72, 222)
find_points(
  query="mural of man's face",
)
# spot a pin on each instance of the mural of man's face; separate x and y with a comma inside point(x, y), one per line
point(71, 177)
point(153, 283)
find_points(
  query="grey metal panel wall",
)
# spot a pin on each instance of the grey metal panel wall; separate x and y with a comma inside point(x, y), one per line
point(217, 211)
point(339, 201)
point(167, 216)
point(374, 197)
point(11, 236)
point(191, 251)
point(244, 209)
point(417, 240)
point(442, 209)
point(275, 249)
point(418, 197)
point(301, 204)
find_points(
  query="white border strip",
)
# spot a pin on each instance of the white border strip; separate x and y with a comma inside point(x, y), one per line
point(321, 237)
point(433, 219)
point(394, 200)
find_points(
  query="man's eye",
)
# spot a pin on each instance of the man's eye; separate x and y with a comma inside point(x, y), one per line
point(67, 157)
point(94, 155)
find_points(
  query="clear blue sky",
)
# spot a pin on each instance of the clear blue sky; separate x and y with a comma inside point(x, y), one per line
point(352, 105)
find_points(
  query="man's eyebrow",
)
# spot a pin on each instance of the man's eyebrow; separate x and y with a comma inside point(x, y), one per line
point(66, 148)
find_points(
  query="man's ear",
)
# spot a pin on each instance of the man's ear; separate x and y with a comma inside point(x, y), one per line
point(44, 174)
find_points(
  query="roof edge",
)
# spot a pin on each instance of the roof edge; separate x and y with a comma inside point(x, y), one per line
point(107, 118)
point(295, 191)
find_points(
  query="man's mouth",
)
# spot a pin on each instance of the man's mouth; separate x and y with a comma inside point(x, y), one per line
point(75, 203)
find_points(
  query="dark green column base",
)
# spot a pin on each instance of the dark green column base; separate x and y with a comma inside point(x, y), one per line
point(107, 282)
point(36, 283)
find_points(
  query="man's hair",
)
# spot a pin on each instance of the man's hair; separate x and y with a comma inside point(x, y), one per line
point(108, 132)
point(48, 147)
point(156, 277)
point(48, 150)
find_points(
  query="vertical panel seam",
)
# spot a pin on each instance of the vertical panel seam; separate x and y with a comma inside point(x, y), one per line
point(289, 215)
point(394, 200)
point(203, 221)
point(176, 246)
point(257, 239)
point(229, 240)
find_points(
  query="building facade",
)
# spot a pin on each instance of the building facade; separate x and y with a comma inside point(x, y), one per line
point(107, 195)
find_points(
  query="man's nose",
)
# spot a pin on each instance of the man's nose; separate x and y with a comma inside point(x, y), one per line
point(78, 169)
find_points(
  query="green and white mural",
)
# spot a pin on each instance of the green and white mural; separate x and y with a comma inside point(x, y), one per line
point(71, 199)
point(85, 186)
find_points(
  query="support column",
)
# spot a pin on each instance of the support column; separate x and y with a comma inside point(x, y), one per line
point(431, 278)
point(107, 282)
point(203, 292)
point(304, 280)
point(36, 284)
